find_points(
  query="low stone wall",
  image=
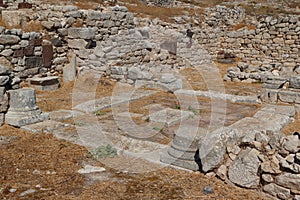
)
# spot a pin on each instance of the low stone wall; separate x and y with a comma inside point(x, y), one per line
point(281, 90)
point(271, 40)
point(25, 51)
point(252, 153)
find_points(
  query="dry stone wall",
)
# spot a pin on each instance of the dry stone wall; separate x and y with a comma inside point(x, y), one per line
point(270, 42)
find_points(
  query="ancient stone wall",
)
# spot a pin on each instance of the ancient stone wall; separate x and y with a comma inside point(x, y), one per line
point(272, 41)
point(252, 153)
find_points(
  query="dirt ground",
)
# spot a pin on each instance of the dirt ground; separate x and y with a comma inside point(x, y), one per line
point(49, 166)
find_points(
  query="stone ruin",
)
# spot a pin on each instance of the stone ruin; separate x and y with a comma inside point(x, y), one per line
point(250, 153)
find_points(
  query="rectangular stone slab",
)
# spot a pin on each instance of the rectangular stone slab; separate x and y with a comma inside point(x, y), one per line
point(170, 116)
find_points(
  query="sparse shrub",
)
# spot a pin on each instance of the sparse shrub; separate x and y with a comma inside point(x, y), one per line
point(99, 113)
point(103, 152)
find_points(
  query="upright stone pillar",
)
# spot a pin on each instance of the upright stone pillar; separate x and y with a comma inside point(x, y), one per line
point(184, 148)
point(23, 109)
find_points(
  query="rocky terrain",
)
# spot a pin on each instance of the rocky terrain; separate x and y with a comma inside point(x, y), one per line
point(149, 100)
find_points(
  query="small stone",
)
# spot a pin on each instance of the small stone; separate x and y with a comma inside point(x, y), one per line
point(292, 144)
point(12, 190)
point(267, 178)
point(6, 52)
point(290, 158)
point(221, 172)
point(234, 149)
point(27, 192)
point(277, 191)
point(271, 166)
point(208, 190)
point(3, 80)
point(36, 172)
point(90, 169)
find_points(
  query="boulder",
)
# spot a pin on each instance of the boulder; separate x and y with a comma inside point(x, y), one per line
point(295, 82)
point(244, 170)
point(277, 191)
point(288, 180)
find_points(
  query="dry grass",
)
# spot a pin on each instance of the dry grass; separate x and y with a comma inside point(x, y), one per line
point(242, 25)
point(38, 159)
point(265, 10)
point(62, 98)
point(88, 4)
point(163, 13)
point(293, 127)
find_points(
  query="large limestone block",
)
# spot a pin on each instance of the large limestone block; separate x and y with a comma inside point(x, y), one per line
point(82, 33)
point(244, 170)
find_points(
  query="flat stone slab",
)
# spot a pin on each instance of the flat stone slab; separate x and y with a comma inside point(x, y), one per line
point(90, 169)
point(43, 127)
point(107, 102)
point(170, 116)
point(222, 96)
point(48, 83)
point(61, 115)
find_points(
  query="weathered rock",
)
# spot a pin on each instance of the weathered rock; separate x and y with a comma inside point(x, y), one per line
point(288, 180)
point(77, 43)
point(33, 62)
point(3, 100)
point(47, 24)
point(23, 109)
point(6, 52)
point(277, 191)
point(295, 82)
point(91, 169)
point(170, 46)
point(69, 71)
point(47, 55)
point(5, 66)
point(170, 116)
point(292, 144)
point(222, 172)
point(56, 42)
point(9, 39)
point(4, 80)
point(271, 166)
point(267, 178)
point(81, 33)
point(1, 119)
point(213, 147)
point(48, 83)
point(170, 82)
point(244, 169)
